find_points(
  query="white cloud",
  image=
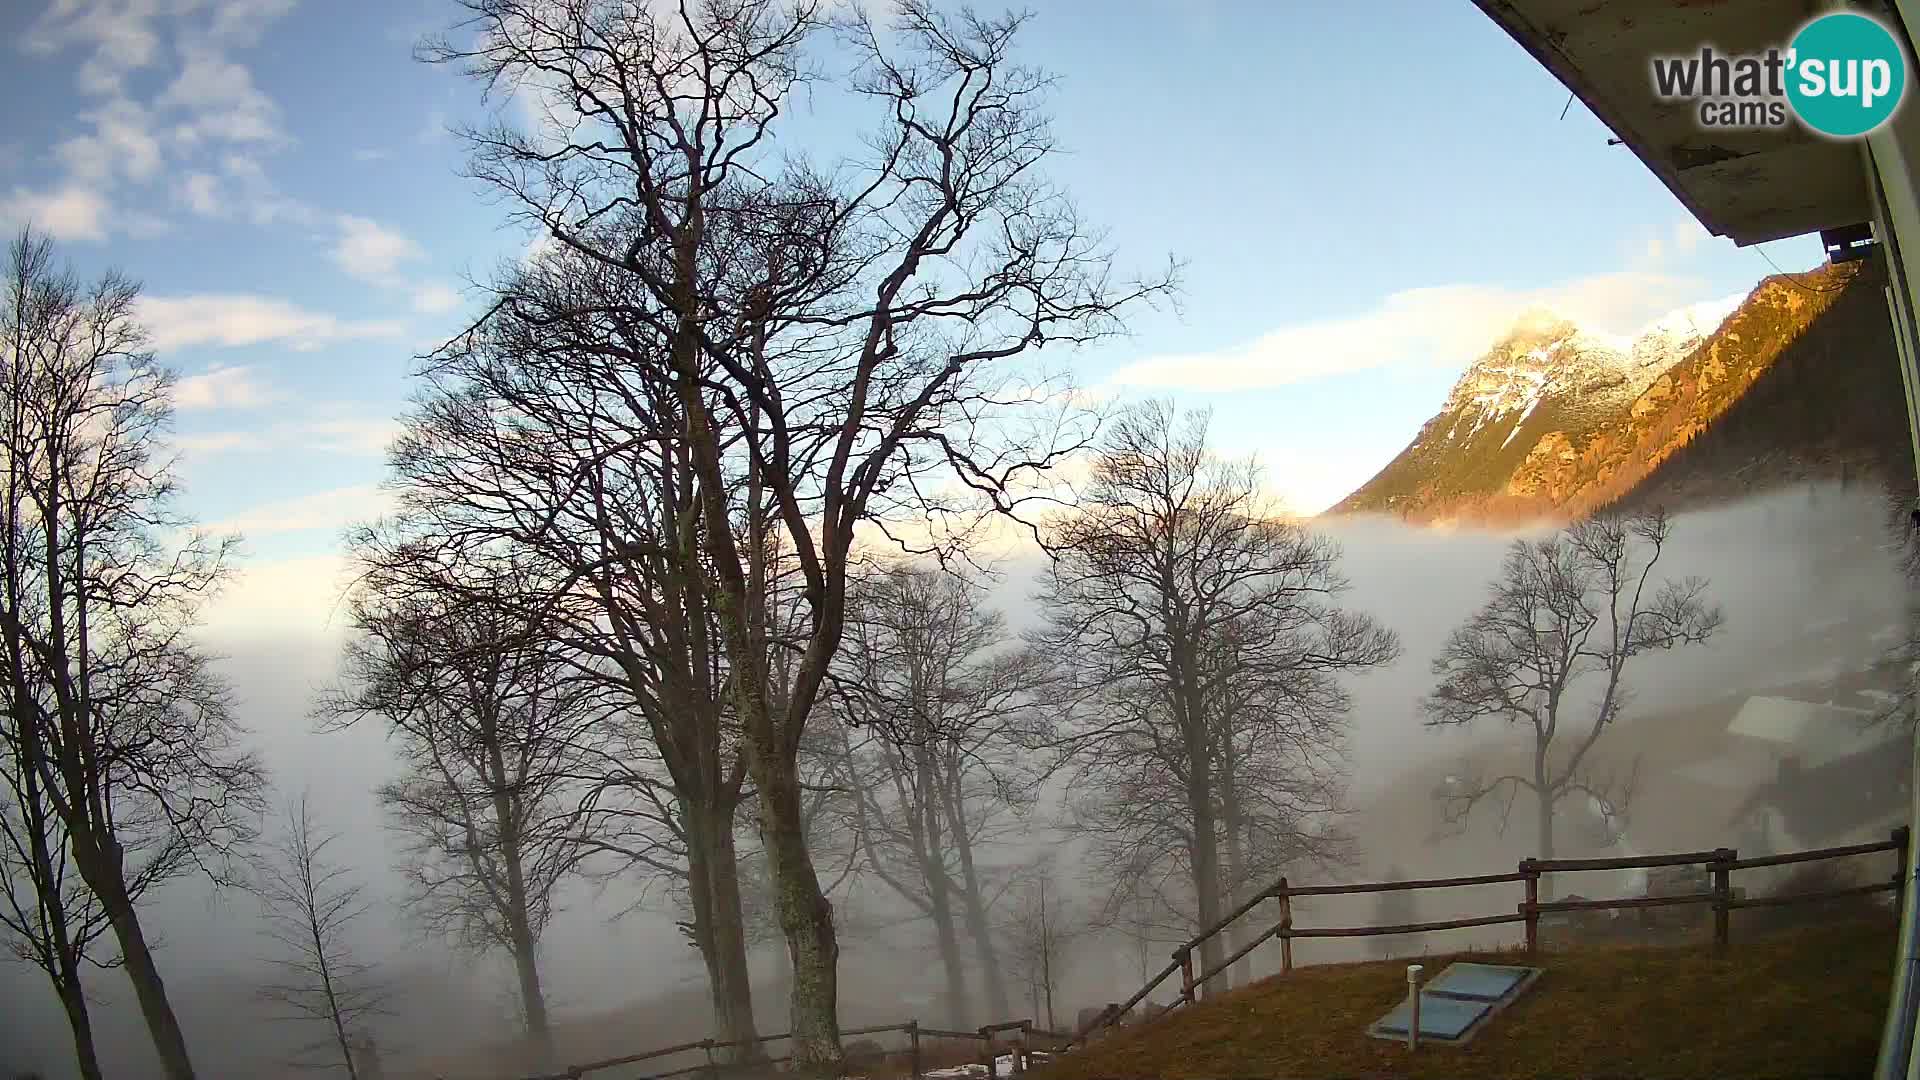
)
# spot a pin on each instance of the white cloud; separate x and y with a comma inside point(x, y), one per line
point(219, 99)
point(369, 250)
point(435, 299)
point(71, 213)
point(207, 97)
point(1306, 480)
point(218, 442)
point(331, 431)
point(371, 154)
point(223, 387)
point(349, 435)
point(238, 319)
point(120, 33)
point(331, 510)
point(539, 245)
point(1445, 325)
point(277, 594)
point(241, 22)
point(259, 200)
point(1687, 234)
point(201, 192)
point(141, 224)
point(122, 142)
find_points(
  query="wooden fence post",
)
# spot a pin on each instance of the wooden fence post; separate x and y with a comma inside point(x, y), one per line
point(713, 1071)
point(913, 1049)
point(1021, 1047)
point(1900, 856)
point(1530, 907)
point(1285, 896)
point(1722, 895)
point(993, 1064)
point(1185, 956)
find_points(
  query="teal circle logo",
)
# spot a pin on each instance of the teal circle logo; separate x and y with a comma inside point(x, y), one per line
point(1846, 74)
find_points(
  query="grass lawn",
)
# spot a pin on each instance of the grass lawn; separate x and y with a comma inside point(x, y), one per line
point(1801, 1003)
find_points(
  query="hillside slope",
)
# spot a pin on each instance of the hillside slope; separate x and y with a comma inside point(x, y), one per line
point(1598, 1011)
point(1799, 382)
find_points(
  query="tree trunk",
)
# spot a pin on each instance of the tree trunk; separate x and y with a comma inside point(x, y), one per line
point(1236, 877)
point(533, 1000)
point(714, 880)
point(1206, 872)
point(1205, 836)
point(783, 974)
point(959, 1007)
point(74, 1000)
point(1187, 703)
point(67, 955)
point(933, 870)
point(805, 915)
point(101, 869)
point(974, 904)
point(1544, 836)
point(929, 849)
point(1046, 953)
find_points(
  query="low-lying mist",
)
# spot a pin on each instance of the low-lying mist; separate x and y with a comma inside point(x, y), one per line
point(1806, 577)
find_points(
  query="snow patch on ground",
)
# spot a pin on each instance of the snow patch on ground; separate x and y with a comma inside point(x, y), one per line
point(1520, 423)
point(1002, 1066)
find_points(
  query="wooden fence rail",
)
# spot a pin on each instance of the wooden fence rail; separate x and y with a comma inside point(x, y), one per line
point(1720, 864)
point(1024, 1036)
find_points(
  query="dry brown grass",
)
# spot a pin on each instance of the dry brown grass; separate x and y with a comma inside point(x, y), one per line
point(1802, 1003)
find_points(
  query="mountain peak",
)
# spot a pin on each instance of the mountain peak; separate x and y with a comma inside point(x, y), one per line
point(1555, 418)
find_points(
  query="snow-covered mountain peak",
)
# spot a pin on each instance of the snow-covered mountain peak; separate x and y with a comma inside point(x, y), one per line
point(1545, 354)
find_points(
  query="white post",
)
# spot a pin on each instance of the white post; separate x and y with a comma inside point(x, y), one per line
point(1413, 999)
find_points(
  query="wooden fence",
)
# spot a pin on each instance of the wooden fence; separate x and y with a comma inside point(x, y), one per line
point(1720, 864)
point(1019, 1036)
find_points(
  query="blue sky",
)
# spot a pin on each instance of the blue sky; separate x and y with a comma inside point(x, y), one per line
point(1362, 194)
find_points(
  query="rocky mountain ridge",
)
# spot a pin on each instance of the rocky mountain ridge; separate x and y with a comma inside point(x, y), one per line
point(1794, 380)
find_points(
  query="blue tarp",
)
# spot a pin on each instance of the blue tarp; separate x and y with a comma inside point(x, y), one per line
point(1456, 1001)
point(1481, 982)
point(1440, 1017)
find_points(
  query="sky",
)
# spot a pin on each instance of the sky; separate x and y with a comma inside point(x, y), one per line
point(282, 178)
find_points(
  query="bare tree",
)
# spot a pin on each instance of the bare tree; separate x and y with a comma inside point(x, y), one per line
point(1281, 767)
point(119, 718)
point(486, 720)
point(310, 906)
point(1172, 589)
point(528, 438)
point(50, 918)
point(834, 335)
point(1041, 931)
point(928, 672)
point(1567, 612)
